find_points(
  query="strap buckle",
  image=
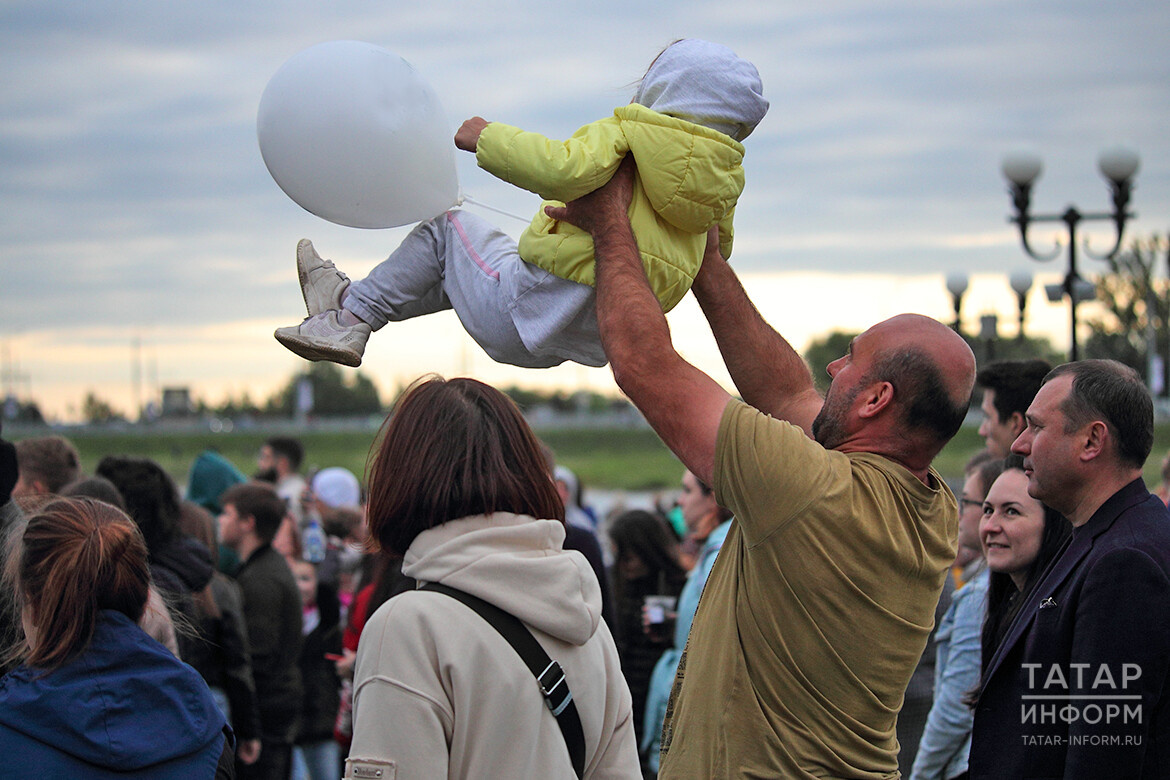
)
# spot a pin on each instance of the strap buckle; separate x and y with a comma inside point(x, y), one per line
point(554, 688)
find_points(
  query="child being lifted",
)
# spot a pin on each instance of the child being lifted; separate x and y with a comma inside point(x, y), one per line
point(532, 305)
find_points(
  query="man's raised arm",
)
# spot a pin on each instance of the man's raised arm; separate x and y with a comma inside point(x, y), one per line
point(767, 371)
point(680, 402)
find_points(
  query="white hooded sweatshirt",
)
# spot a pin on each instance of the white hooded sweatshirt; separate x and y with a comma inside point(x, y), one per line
point(438, 693)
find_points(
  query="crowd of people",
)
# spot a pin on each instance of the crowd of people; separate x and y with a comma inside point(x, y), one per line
point(272, 625)
point(240, 647)
point(823, 605)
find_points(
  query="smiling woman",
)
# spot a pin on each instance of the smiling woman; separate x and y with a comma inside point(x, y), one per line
point(1020, 537)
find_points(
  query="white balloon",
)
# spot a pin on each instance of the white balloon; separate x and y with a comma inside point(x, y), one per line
point(353, 134)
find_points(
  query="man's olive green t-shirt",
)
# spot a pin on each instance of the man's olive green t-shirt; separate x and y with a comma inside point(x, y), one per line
point(815, 614)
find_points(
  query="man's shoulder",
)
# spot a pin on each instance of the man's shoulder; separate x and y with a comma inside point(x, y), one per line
point(742, 419)
point(1142, 525)
point(266, 567)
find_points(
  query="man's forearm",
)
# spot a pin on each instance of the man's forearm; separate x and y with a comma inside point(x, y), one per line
point(681, 403)
point(767, 371)
point(632, 325)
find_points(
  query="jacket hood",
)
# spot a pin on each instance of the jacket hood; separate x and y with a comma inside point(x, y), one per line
point(187, 559)
point(516, 563)
point(691, 175)
point(211, 474)
point(705, 83)
point(124, 704)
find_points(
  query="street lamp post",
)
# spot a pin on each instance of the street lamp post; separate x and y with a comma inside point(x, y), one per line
point(1021, 282)
point(1118, 166)
point(957, 285)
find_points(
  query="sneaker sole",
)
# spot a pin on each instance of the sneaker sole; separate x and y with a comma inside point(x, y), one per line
point(306, 349)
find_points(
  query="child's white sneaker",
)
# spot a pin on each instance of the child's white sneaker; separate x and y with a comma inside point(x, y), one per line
point(322, 337)
point(322, 285)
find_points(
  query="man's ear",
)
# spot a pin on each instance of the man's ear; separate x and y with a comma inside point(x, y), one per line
point(1094, 438)
point(1018, 424)
point(248, 523)
point(877, 397)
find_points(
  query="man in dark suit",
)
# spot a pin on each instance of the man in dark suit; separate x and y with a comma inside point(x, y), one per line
point(1078, 688)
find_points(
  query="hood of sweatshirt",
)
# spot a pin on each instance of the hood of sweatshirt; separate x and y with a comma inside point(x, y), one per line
point(124, 704)
point(516, 563)
point(211, 474)
point(705, 83)
point(186, 559)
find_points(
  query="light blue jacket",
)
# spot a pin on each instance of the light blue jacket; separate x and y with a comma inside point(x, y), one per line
point(662, 678)
point(946, 741)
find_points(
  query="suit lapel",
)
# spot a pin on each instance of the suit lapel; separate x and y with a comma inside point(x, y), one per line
point(1058, 572)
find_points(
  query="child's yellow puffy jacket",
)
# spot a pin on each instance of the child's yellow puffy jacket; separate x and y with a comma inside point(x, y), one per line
point(689, 179)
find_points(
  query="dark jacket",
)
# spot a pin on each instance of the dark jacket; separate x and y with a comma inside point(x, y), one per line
point(586, 543)
point(1094, 639)
point(272, 613)
point(179, 568)
point(124, 708)
point(220, 653)
point(318, 674)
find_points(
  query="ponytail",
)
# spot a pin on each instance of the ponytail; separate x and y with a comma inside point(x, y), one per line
point(76, 557)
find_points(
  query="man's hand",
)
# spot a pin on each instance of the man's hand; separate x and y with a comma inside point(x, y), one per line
point(467, 137)
point(248, 751)
point(606, 206)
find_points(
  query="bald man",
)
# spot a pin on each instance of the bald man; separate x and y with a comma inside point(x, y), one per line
point(822, 598)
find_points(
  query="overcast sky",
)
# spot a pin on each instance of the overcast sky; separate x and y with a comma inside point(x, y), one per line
point(135, 204)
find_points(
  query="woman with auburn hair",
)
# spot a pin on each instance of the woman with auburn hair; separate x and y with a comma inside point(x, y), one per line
point(460, 488)
point(95, 696)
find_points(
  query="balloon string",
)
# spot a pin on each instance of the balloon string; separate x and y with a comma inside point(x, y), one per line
point(465, 198)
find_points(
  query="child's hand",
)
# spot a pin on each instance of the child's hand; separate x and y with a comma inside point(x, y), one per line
point(467, 137)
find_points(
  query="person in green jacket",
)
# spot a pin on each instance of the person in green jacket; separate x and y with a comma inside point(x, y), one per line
point(531, 305)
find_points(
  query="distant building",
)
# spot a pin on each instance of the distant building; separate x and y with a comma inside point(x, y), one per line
point(176, 402)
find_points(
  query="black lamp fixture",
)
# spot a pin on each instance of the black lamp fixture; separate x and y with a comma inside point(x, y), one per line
point(956, 286)
point(1118, 165)
point(1021, 283)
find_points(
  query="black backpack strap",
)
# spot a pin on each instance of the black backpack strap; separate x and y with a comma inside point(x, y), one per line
point(548, 673)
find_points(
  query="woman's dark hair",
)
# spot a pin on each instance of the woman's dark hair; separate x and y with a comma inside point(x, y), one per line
point(647, 536)
point(989, 471)
point(451, 449)
point(75, 557)
point(1003, 599)
point(95, 487)
point(150, 495)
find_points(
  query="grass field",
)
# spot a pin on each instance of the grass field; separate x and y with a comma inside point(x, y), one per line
point(613, 459)
point(622, 459)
